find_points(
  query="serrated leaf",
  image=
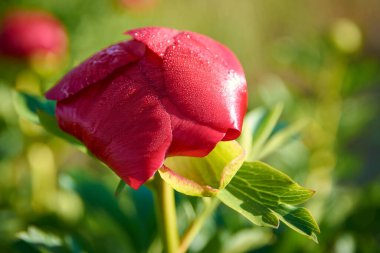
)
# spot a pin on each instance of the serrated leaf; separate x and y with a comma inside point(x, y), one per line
point(265, 196)
point(204, 176)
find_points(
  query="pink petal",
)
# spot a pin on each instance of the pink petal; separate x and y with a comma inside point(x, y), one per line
point(157, 39)
point(97, 68)
point(122, 122)
point(206, 82)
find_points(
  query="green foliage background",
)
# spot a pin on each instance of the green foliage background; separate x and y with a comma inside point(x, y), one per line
point(320, 58)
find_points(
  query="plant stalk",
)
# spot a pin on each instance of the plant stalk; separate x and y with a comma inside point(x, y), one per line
point(166, 215)
point(197, 224)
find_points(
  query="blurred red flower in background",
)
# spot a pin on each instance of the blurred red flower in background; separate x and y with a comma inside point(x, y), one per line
point(27, 33)
point(163, 93)
point(139, 5)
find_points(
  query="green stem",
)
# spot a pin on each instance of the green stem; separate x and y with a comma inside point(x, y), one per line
point(166, 215)
point(197, 224)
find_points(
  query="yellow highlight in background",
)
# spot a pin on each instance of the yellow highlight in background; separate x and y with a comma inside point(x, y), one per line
point(43, 174)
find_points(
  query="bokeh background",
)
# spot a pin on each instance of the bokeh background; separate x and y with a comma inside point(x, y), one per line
point(320, 58)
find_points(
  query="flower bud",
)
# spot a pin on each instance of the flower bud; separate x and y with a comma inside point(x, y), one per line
point(164, 93)
point(26, 34)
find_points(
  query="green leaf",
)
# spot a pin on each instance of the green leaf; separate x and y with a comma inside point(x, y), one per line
point(265, 196)
point(120, 187)
point(263, 131)
point(42, 111)
point(50, 124)
point(280, 138)
point(28, 105)
point(251, 123)
point(299, 219)
point(258, 137)
point(246, 240)
point(204, 176)
point(37, 240)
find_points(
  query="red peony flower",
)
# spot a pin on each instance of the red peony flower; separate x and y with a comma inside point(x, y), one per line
point(24, 34)
point(163, 93)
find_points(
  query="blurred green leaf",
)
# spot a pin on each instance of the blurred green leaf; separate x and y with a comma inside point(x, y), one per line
point(36, 240)
point(263, 131)
point(28, 105)
point(120, 187)
point(250, 125)
point(50, 124)
point(130, 218)
point(42, 111)
point(265, 195)
point(280, 138)
point(246, 240)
